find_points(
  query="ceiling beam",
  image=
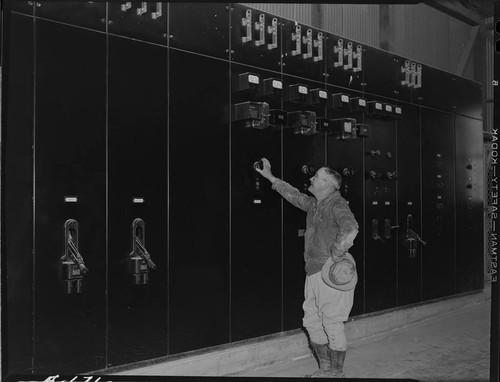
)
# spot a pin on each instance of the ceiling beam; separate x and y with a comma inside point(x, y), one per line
point(468, 11)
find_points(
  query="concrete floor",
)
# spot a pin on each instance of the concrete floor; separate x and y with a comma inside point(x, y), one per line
point(452, 346)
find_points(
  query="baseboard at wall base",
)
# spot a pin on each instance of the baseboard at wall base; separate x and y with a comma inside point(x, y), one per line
point(235, 358)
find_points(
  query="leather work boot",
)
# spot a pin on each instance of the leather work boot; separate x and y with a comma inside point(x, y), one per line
point(322, 352)
point(337, 363)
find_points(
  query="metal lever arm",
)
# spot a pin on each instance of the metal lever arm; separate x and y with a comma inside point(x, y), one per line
point(413, 235)
point(76, 257)
point(377, 237)
point(144, 254)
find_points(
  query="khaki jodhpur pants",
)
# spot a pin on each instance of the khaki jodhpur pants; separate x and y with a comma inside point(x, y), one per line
point(325, 310)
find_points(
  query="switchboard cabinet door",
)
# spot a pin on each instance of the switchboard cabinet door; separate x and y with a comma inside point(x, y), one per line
point(380, 216)
point(346, 157)
point(87, 14)
point(137, 202)
point(438, 200)
point(469, 191)
point(467, 97)
point(255, 221)
point(70, 199)
point(200, 28)
point(342, 70)
point(437, 90)
point(382, 74)
point(17, 203)
point(298, 151)
point(409, 248)
point(303, 51)
point(255, 38)
point(198, 202)
point(141, 20)
point(25, 7)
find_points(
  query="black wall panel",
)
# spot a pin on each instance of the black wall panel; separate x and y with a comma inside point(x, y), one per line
point(88, 14)
point(409, 263)
point(297, 59)
point(335, 72)
point(469, 191)
point(200, 28)
point(380, 206)
point(439, 96)
point(466, 97)
point(255, 223)
point(147, 23)
point(264, 53)
point(382, 74)
point(438, 200)
point(137, 189)
point(199, 202)
point(70, 161)
point(24, 7)
point(17, 181)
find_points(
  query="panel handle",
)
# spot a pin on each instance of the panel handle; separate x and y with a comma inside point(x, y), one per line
point(273, 31)
point(143, 9)
point(296, 36)
point(348, 53)
point(308, 40)
point(339, 50)
point(139, 239)
point(159, 11)
point(72, 263)
point(247, 23)
point(260, 26)
point(319, 44)
point(375, 234)
point(71, 253)
point(358, 56)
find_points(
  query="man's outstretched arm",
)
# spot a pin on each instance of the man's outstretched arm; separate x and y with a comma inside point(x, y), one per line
point(290, 193)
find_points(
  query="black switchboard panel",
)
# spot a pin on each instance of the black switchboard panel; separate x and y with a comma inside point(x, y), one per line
point(135, 225)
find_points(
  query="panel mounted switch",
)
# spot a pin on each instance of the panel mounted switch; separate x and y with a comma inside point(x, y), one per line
point(159, 12)
point(318, 97)
point(139, 260)
point(344, 128)
point(348, 57)
point(260, 27)
point(246, 23)
point(297, 40)
point(339, 51)
point(302, 122)
point(277, 118)
point(72, 263)
point(340, 101)
point(273, 31)
point(271, 88)
point(358, 57)
point(363, 130)
point(308, 41)
point(323, 125)
point(298, 93)
point(357, 104)
point(375, 109)
point(251, 114)
point(247, 83)
point(348, 172)
point(318, 44)
point(375, 234)
point(392, 175)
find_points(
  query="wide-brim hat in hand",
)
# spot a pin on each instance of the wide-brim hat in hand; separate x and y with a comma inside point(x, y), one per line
point(340, 273)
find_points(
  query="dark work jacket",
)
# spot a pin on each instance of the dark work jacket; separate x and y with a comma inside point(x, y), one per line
point(330, 225)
